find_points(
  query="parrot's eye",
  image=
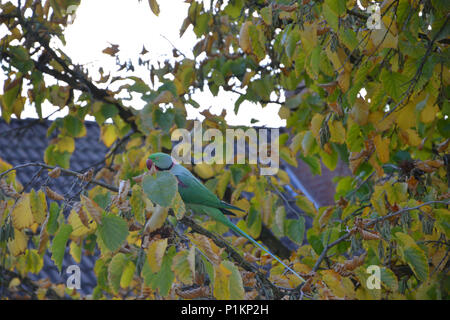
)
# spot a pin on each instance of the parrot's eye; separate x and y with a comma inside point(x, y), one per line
point(149, 164)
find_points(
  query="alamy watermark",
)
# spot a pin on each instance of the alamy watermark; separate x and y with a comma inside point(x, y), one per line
point(237, 144)
point(374, 11)
point(74, 280)
point(374, 280)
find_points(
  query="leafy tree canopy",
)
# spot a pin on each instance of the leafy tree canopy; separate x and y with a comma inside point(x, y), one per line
point(392, 212)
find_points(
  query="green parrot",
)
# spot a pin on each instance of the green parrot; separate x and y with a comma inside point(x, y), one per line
point(200, 199)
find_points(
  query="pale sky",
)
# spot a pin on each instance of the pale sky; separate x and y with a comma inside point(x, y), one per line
point(131, 25)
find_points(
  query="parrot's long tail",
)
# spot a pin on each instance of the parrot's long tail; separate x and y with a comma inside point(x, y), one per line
point(242, 233)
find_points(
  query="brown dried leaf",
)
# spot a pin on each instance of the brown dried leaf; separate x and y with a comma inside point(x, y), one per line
point(43, 236)
point(239, 241)
point(106, 175)
point(53, 194)
point(323, 220)
point(82, 214)
point(112, 50)
point(367, 235)
point(441, 147)
point(87, 176)
point(201, 292)
point(93, 208)
point(208, 247)
point(9, 189)
point(55, 173)
point(250, 258)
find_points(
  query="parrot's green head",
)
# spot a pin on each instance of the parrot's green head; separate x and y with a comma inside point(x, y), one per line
point(162, 161)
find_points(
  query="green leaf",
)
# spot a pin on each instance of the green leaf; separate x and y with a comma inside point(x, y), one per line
point(235, 282)
point(184, 265)
point(52, 224)
point(443, 221)
point(266, 15)
point(74, 126)
point(313, 163)
point(348, 38)
point(254, 222)
point(295, 229)
point(258, 41)
point(164, 278)
point(59, 244)
point(330, 16)
point(394, 83)
point(137, 203)
point(315, 242)
point(34, 261)
point(315, 61)
point(113, 231)
point(201, 24)
point(329, 160)
point(413, 255)
point(115, 270)
point(109, 110)
point(306, 205)
point(389, 279)
point(160, 188)
point(337, 6)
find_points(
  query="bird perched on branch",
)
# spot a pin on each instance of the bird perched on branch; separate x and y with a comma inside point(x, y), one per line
point(200, 199)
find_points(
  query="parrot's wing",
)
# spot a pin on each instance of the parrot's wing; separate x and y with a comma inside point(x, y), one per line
point(192, 190)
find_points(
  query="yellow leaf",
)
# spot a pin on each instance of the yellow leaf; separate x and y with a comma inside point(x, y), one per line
point(14, 283)
point(376, 118)
point(316, 124)
point(382, 148)
point(221, 282)
point(21, 214)
point(109, 134)
point(333, 281)
point(244, 37)
point(79, 229)
point(127, 275)
point(344, 80)
point(204, 170)
point(157, 219)
point(207, 247)
point(429, 113)
point(155, 254)
point(19, 244)
point(284, 177)
point(154, 6)
point(38, 205)
point(337, 132)
point(410, 137)
point(377, 200)
point(308, 36)
point(75, 251)
point(407, 116)
point(284, 112)
point(66, 143)
point(244, 205)
point(360, 111)
point(382, 39)
point(178, 207)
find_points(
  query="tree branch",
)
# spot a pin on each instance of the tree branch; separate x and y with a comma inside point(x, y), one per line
point(368, 225)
